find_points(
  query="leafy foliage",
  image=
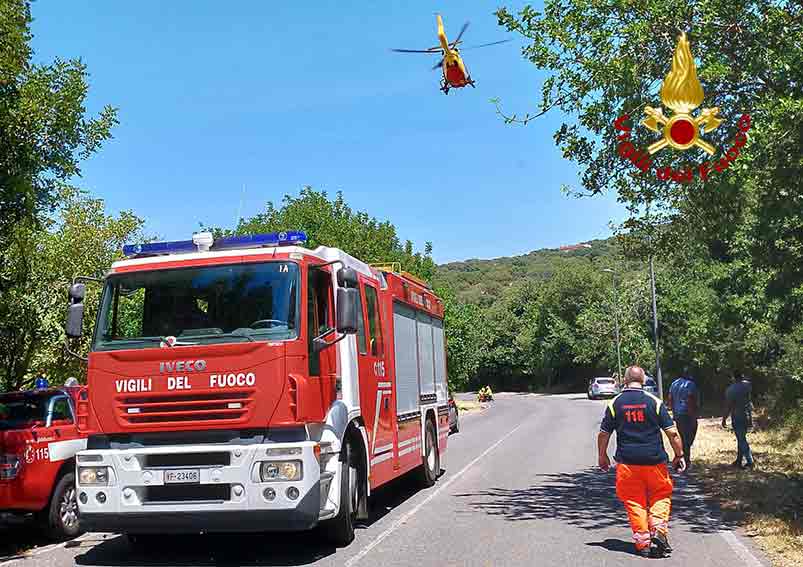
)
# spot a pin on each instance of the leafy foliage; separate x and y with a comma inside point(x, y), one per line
point(334, 223)
point(44, 130)
point(80, 239)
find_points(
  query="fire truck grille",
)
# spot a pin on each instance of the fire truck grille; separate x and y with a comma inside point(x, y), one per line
point(181, 408)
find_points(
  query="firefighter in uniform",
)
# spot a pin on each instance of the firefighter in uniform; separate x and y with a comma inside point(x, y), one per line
point(643, 483)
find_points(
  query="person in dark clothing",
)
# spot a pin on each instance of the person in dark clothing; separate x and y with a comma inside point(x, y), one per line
point(643, 483)
point(740, 408)
point(684, 399)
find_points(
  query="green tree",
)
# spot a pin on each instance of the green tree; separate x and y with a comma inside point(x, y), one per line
point(333, 223)
point(44, 127)
point(466, 339)
point(731, 245)
point(78, 239)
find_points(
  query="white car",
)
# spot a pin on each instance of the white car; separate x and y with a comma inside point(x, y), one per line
point(602, 387)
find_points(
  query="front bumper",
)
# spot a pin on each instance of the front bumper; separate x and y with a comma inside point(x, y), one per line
point(228, 497)
point(303, 517)
point(604, 392)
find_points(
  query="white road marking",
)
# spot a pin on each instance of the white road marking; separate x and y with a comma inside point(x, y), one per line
point(733, 541)
point(403, 519)
point(740, 549)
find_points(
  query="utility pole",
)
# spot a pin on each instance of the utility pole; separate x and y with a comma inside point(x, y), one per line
point(655, 331)
point(616, 322)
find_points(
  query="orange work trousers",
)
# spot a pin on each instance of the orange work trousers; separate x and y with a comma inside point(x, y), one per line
point(646, 492)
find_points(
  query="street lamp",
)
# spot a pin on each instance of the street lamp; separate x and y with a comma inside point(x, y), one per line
point(655, 330)
point(616, 322)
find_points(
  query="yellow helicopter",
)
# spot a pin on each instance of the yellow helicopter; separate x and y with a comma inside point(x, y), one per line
point(454, 70)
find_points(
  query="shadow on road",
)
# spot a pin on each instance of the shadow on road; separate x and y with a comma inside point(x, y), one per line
point(17, 535)
point(615, 545)
point(300, 548)
point(585, 499)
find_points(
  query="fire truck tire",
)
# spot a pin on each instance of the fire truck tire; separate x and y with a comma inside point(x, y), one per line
point(339, 531)
point(429, 470)
point(62, 521)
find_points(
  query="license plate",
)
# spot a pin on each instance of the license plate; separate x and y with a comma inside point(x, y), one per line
point(183, 476)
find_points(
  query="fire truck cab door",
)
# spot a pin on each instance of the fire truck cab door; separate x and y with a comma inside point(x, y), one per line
point(38, 468)
point(379, 408)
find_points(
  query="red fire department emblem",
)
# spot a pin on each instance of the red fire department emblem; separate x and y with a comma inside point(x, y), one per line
point(682, 93)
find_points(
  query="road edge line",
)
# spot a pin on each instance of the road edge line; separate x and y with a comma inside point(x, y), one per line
point(740, 548)
point(403, 519)
point(729, 535)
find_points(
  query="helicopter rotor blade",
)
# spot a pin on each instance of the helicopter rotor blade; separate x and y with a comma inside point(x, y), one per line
point(438, 65)
point(487, 44)
point(430, 50)
point(462, 31)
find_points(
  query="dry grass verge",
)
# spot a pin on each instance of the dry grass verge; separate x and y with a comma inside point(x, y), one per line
point(767, 501)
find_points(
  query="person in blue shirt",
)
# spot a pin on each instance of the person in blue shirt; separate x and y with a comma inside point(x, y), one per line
point(684, 399)
point(738, 396)
point(643, 483)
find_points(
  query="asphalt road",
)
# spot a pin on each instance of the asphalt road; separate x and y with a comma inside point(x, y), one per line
point(520, 488)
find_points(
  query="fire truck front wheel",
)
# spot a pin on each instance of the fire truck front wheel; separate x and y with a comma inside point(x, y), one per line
point(60, 519)
point(340, 529)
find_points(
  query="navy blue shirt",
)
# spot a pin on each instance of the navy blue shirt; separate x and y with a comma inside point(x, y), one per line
point(638, 418)
point(682, 391)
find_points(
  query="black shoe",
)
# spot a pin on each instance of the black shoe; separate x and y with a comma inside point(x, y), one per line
point(736, 464)
point(659, 545)
point(644, 552)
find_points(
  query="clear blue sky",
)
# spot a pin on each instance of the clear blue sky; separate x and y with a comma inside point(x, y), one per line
point(214, 96)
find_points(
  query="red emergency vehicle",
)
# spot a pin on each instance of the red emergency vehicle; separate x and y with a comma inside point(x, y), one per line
point(251, 384)
point(38, 443)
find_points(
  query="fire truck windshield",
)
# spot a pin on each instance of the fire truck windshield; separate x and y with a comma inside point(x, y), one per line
point(21, 410)
point(199, 305)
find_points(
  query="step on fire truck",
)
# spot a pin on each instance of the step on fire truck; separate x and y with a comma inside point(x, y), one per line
point(39, 439)
point(250, 384)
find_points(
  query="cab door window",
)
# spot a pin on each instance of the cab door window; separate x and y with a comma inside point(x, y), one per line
point(374, 322)
point(319, 318)
point(62, 412)
point(361, 340)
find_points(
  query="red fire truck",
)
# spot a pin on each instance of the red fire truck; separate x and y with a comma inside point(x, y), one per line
point(38, 443)
point(251, 384)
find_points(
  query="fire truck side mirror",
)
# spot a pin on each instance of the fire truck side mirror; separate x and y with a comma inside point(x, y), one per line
point(347, 277)
point(75, 320)
point(77, 292)
point(347, 310)
point(75, 312)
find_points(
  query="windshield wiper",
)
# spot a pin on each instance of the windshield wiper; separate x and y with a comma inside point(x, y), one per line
point(223, 335)
point(160, 340)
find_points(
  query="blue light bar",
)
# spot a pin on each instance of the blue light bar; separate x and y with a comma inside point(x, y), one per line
point(289, 238)
point(157, 248)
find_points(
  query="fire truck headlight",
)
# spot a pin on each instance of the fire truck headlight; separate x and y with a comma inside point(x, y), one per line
point(281, 471)
point(98, 476)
